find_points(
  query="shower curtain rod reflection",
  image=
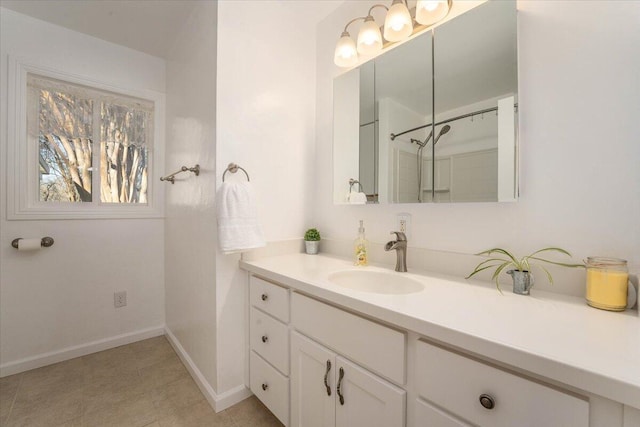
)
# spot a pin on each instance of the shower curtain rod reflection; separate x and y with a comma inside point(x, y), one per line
point(464, 116)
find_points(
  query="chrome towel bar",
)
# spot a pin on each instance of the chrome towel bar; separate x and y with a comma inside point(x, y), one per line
point(171, 178)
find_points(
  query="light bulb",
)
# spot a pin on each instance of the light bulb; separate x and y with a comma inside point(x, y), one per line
point(346, 54)
point(369, 37)
point(430, 5)
point(398, 23)
point(428, 12)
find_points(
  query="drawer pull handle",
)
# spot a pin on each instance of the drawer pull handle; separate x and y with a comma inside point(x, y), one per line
point(339, 388)
point(265, 338)
point(264, 297)
point(265, 386)
point(487, 401)
point(326, 374)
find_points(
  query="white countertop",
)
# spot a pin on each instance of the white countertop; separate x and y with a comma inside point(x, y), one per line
point(550, 335)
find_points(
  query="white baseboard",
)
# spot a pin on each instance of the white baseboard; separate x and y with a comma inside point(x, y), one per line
point(218, 402)
point(52, 357)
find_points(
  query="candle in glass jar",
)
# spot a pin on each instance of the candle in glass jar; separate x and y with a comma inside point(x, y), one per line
point(607, 281)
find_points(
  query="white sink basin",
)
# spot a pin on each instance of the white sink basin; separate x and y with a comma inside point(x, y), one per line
point(377, 282)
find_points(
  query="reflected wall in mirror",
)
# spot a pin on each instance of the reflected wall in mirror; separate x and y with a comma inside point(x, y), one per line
point(386, 136)
point(368, 136)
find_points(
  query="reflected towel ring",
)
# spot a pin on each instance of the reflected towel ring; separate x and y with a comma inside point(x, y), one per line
point(355, 181)
point(233, 168)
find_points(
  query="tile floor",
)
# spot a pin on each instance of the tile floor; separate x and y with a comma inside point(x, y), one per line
point(140, 384)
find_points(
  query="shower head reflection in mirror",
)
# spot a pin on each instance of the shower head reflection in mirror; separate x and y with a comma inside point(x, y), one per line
point(444, 130)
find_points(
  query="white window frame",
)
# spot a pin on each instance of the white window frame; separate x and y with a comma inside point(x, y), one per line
point(23, 201)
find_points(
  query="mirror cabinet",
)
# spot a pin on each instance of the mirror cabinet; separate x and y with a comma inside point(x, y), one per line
point(433, 119)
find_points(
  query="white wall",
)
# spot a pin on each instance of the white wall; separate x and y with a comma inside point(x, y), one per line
point(266, 115)
point(62, 297)
point(190, 223)
point(579, 170)
point(346, 162)
point(265, 123)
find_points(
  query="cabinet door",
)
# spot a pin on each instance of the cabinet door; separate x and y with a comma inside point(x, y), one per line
point(367, 400)
point(312, 403)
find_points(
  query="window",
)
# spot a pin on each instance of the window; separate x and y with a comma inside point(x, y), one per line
point(87, 151)
point(67, 119)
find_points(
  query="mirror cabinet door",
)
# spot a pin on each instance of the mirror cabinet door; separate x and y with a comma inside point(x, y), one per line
point(368, 160)
point(404, 94)
point(475, 69)
point(346, 133)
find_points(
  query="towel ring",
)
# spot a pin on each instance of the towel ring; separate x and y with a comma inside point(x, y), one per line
point(354, 181)
point(233, 168)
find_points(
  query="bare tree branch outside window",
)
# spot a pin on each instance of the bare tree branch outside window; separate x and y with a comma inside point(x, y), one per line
point(65, 124)
point(66, 132)
point(123, 154)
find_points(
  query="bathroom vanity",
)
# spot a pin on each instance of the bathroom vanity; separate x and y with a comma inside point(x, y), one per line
point(443, 352)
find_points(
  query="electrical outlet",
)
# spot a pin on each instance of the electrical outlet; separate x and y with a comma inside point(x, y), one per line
point(404, 223)
point(119, 299)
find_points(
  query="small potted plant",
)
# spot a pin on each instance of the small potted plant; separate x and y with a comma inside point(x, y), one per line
point(501, 259)
point(312, 241)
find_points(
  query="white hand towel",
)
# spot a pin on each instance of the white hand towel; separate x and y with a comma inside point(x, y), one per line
point(357, 198)
point(238, 225)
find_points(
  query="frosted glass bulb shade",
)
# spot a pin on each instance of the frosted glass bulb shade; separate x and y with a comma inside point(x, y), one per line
point(369, 38)
point(428, 12)
point(346, 54)
point(398, 24)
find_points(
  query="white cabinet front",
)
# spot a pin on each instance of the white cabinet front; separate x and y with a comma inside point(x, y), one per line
point(270, 339)
point(491, 397)
point(312, 384)
point(328, 390)
point(366, 400)
point(429, 416)
point(270, 386)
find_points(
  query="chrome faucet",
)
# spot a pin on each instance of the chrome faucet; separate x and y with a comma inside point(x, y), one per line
point(400, 246)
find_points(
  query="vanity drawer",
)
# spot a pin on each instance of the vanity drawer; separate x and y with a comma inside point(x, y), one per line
point(427, 415)
point(270, 298)
point(270, 386)
point(456, 383)
point(270, 339)
point(377, 347)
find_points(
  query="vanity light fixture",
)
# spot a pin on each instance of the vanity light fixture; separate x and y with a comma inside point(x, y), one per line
point(398, 25)
point(428, 12)
point(369, 36)
point(346, 54)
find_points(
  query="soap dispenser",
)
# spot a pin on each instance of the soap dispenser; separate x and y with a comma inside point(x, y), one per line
point(361, 247)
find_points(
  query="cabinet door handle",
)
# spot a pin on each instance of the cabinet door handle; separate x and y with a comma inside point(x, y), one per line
point(264, 297)
point(265, 338)
point(339, 388)
point(265, 386)
point(487, 401)
point(326, 374)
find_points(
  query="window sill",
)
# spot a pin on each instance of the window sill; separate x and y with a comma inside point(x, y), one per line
point(77, 213)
